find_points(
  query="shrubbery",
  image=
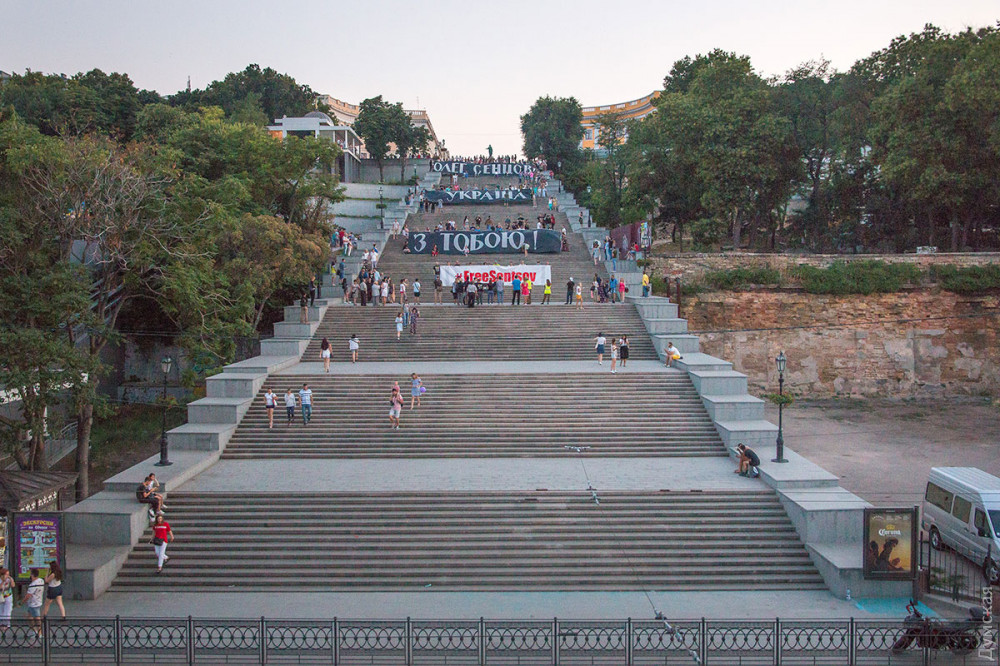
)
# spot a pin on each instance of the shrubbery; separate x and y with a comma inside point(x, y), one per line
point(856, 277)
point(967, 280)
point(738, 278)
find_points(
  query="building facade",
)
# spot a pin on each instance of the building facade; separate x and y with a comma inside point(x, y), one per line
point(320, 125)
point(347, 113)
point(637, 109)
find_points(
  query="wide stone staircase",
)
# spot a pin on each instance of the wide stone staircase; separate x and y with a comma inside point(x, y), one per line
point(489, 416)
point(511, 541)
point(494, 333)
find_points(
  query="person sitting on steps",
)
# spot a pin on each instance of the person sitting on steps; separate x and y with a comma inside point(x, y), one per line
point(749, 463)
point(146, 496)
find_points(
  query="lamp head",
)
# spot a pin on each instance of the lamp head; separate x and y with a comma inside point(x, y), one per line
point(780, 362)
point(165, 363)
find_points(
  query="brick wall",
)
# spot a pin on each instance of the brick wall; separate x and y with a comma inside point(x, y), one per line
point(854, 345)
point(693, 266)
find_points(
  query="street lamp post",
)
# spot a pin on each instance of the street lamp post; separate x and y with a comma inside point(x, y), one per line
point(381, 208)
point(165, 367)
point(590, 220)
point(780, 449)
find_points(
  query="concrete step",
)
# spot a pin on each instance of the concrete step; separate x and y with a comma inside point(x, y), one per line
point(477, 541)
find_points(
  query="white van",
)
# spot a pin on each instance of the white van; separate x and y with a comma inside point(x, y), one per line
point(962, 510)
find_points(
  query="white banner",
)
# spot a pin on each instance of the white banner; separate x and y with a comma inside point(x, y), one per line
point(537, 273)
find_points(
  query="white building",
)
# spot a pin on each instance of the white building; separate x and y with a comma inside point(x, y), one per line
point(320, 125)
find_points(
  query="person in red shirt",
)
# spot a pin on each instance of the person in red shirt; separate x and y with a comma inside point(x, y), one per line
point(162, 534)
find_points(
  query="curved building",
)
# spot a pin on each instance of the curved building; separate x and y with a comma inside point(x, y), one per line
point(637, 109)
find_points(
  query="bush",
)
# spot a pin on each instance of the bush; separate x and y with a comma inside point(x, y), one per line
point(857, 277)
point(739, 278)
point(967, 280)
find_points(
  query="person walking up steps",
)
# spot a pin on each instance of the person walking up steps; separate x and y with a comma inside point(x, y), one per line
point(354, 345)
point(324, 353)
point(289, 405)
point(270, 402)
point(599, 346)
point(306, 403)
point(416, 389)
point(399, 326)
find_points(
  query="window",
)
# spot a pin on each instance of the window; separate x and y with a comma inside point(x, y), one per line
point(589, 135)
point(939, 497)
point(962, 509)
point(995, 519)
point(982, 527)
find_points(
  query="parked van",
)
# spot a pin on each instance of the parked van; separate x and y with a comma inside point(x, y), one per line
point(962, 510)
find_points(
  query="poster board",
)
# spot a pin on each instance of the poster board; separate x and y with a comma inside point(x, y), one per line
point(890, 544)
point(36, 538)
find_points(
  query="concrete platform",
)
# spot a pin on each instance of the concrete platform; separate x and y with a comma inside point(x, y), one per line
point(469, 367)
point(701, 362)
point(729, 408)
point(263, 364)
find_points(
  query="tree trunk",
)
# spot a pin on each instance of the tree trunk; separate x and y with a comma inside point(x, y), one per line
point(955, 227)
point(84, 423)
point(736, 229)
point(381, 175)
point(402, 169)
point(965, 233)
point(930, 227)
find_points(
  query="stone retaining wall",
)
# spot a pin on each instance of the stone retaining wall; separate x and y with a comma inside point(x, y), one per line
point(854, 345)
point(693, 266)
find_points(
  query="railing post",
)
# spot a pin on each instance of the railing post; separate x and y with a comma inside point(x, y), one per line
point(335, 642)
point(262, 634)
point(190, 640)
point(408, 653)
point(852, 643)
point(482, 641)
point(118, 639)
point(628, 642)
point(45, 641)
point(703, 641)
point(555, 641)
point(777, 641)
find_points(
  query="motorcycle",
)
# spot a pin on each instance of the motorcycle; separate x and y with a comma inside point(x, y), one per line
point(959, 636)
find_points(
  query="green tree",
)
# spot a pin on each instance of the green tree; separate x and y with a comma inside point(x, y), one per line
point(381, 123)
point(551, 129)
point(273, 93)
point(411, 140)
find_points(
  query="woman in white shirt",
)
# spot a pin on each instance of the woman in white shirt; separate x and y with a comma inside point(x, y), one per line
point(599, 346)
point(324, 352)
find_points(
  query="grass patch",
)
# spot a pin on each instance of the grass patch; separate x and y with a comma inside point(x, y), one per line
point(128, 437)
point(856, 277)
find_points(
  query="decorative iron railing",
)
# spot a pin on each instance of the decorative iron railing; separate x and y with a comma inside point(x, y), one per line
point(529, 642)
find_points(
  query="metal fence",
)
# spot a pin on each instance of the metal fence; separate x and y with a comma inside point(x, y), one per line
point(952, 575)
point(529, 642)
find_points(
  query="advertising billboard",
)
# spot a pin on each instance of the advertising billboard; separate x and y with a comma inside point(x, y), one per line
point(890, 544)
point(35, 540)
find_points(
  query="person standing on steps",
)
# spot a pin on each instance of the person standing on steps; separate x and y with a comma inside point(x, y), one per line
point(402, 292)
point(306, 403)
point(162, 535)
point(623, 350)
point(417, 386)
point(395, 407)
point(303, 308)
point(416, 290)
point(270, 401)
point(622, 290)
point(312, 291)
point(414, 316)
point(54, 592)
point(516, 291)
point(547, 293)
point(614, 355)
point(324, 353)
point(353, 345)
point(526, 285)
point(290, 405)
point(645, 283)
point(579, 296)
point(7, 586)
point(570, 290)
point(399, 326)
point(499, 289)
point(438, 288)
point(600, 341)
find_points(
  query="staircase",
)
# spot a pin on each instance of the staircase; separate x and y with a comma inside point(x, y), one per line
point(517, 541)
point(484, 333)
point(489, 416)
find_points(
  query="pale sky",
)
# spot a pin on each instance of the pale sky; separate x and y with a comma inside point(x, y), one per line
point(475, 66)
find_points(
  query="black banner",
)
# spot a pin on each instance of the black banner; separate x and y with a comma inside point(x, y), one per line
point(539, 241)
point(490, 169)
point(479, 196)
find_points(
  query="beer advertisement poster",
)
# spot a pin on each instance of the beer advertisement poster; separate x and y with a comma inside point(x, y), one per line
point(890, 544)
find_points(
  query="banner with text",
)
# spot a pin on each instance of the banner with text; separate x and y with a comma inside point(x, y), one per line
point(539, 241)
point(490, 169)
point(537, 273)
point(473, 197)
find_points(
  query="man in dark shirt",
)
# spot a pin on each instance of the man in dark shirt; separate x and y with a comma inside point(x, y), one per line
point(749, 464)
point(569, 291)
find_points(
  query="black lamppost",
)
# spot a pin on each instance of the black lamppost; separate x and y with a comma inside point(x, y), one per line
point(381, 208)
point(165, 367)
point(590, 221)
point(780, 450)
